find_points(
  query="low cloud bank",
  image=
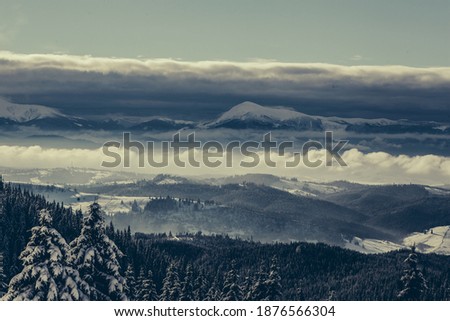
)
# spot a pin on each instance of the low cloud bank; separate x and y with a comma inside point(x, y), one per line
point(374, 168)
point(84, 84)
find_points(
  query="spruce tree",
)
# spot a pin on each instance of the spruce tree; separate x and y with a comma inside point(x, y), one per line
point(146, 287)
point(200, 287)
point(171, 290)
point(259, 291)
point(187, 288)
point(97, 259)
point(414, 284)
point(273, 283)
point(47, 273)
point(131, 289)
point(231, 289)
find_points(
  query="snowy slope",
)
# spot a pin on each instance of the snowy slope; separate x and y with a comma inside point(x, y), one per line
point(25, 113)
point(251, 115)
point(372, 246)
point(111, 204)
point(249, 110)
point(435, 240)
point(360, 121)
point(40, 117)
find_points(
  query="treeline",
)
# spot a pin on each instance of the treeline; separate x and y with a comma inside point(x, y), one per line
point(19, 213)
point(199, 267)
point(307, 271)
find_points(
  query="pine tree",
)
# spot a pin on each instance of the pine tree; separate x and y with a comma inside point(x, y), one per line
point(273, 283)
point(187, 288)
point(414, 284)
point(200, 287)
point(97, 259)
point(131, 290)
point(231, 289)
point(171, 290)
point(259, 289)
point(146, 287)
point(47, 274)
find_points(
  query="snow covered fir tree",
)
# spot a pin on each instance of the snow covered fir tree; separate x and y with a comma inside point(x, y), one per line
point(273, 283)
point(130, 289)
point(146, 288)
point(97, 258)
point(231, 289)
point(171, 290)
point(414, 284)
point(48, 274)
point(51, 252)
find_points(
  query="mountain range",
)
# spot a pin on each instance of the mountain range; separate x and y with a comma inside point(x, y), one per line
point(246, 115)
point(369, 218)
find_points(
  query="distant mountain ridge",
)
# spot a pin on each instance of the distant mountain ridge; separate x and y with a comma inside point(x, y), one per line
point(247, 115)
point(13, 115)
point(26, 113)
point(251, 115)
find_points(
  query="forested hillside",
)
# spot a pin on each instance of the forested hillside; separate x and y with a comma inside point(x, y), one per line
point(200, 267)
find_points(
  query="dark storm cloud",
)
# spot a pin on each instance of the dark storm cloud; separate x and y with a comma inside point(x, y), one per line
point(86, 85)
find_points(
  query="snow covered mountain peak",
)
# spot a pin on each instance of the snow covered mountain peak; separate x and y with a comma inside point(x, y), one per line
point(25, 113)
point(250, 110)
point(249, 115)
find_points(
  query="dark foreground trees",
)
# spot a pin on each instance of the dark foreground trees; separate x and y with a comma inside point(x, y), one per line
point(201, 266)
point(414, 284)
point(97, 259)
point(48, 273)
point(88, 269)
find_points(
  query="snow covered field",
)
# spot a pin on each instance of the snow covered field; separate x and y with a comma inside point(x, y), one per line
point(111, 205)
point(435, 240)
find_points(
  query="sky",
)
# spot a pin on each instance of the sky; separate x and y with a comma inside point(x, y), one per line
point(346, 32)
point(196, 59)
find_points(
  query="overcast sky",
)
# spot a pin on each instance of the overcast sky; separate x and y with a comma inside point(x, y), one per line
point(346, 32)
point(196, 59)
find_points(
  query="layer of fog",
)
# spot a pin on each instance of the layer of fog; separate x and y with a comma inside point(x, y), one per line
point(371, 168)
